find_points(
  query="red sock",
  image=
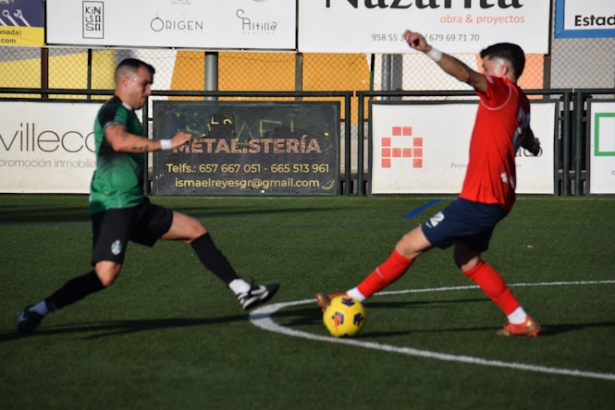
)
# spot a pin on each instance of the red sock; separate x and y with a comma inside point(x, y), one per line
point(490, 281)
point(385, 274)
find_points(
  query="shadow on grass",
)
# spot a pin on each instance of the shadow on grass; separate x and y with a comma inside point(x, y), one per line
point(12, 215)
point(21, 216)
point(402, 304)
point(300, 317)
point(121, 327)
point(313, 316)
point(547, 330)
point(294, 318)
point(552, 330)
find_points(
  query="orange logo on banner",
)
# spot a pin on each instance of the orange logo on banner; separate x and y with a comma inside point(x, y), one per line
point(402, 136)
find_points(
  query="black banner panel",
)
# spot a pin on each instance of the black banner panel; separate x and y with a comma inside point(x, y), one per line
point(248, 148)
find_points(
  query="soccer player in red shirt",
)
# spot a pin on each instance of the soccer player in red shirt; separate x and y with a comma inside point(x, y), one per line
point(488, 193)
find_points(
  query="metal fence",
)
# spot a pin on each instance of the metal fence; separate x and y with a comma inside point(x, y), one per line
point(587, 63)
point(571, 142)
point(572, 64)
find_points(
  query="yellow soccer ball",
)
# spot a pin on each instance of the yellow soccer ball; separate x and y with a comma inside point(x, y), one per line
point(344, 317)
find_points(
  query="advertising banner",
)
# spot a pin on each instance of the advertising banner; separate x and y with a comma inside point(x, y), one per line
point(602, 148)
point(584, 18)
point(423, 148)
point(376, 26)
point(47, 147)
point(22, 23)
point(248, 148)
point(211, 24)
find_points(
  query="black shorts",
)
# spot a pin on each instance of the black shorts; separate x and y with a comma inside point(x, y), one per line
point(470, 223)
point(112, 229)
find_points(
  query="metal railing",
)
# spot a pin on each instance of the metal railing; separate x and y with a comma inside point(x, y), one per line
point(571, 142)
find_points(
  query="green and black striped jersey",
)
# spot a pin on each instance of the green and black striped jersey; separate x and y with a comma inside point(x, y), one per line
point(118, 179)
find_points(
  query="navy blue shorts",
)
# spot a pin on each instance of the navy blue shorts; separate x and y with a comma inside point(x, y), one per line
point(470, 223)
point(143, 224)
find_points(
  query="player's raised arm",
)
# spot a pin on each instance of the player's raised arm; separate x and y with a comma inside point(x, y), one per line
point(448, 63)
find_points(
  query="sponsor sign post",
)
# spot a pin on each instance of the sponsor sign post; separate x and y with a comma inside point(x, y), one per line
point(602, 148)
point(423, 148)
point(47, 147)
point(249, 148)
point(213, 24)
point(584, 18)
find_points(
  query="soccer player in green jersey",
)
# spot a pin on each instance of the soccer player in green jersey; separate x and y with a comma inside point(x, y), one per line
point(120, 210)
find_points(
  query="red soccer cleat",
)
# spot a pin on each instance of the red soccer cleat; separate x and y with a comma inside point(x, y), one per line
point(528, 328)
point(323, 300)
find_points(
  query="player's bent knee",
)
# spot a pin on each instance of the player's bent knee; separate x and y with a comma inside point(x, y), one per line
point(107, 272)
point(467, 266)
point(200, 228)
point(413, 244)
point(185, 228)
point(194, 230)
point(465, 258)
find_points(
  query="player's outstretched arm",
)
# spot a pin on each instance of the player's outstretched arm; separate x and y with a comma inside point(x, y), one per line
point(448, 63)
point(123, 141)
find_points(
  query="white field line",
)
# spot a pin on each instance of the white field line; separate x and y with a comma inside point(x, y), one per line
point(261, 317)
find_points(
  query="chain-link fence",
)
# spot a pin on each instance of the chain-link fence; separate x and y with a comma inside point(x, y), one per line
point(587, 63)
point(572, 63)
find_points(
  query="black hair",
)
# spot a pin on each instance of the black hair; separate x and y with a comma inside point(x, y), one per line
point(509, 52)
point(133, 64)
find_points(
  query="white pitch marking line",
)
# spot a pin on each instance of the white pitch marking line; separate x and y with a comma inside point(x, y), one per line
point(261, 317)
